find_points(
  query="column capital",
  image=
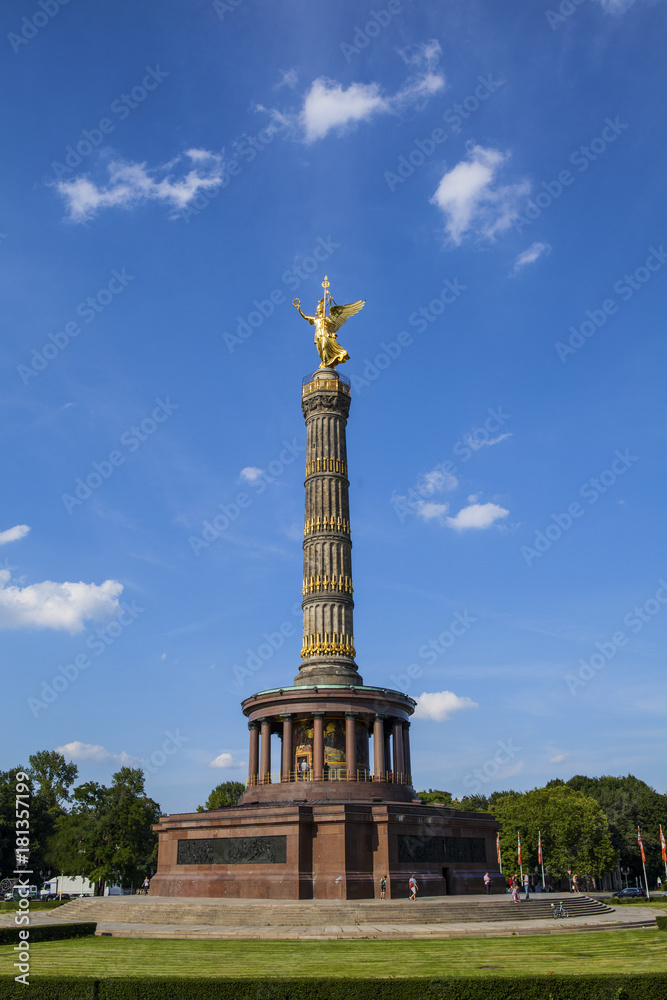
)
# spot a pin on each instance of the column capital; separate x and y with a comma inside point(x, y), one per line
point(351, 715)
point(318, 715)
point(253, 725)
point(286, 716)
point(406, 724)
point(379, 717)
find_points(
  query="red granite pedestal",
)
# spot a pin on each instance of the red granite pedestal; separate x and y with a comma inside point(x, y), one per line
point(323, 846)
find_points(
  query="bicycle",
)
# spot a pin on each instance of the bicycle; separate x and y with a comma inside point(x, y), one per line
point(558, 911)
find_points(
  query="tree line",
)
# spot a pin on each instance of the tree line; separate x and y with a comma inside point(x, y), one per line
point(587, 825)
point(103, 833)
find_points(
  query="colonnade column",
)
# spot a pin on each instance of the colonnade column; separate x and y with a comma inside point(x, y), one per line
point(287, 748)
point(265, 752)
point(253, 755)
point(351, 745)
point(318, 746)
point(398, 748)
point(378, 746)
point(387, 750)
point(406, 751)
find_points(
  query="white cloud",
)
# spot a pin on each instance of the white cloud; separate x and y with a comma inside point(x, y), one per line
point(475, 443)
point(477, 515)
point(13, 534)
point(226, 760)
point(251, 474)
point(131, 184)
point(288, 78)
point(436, 481)
point(56, 605)
point(430, 511)
point(472, 200)
point(428, 485)
point(423, 53)
point(91, 751)
point(439, 705)
point(557, 758)
point(529, 256)
point(328, 106)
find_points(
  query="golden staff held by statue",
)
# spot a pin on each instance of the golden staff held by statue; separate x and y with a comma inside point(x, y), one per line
point(327, 325)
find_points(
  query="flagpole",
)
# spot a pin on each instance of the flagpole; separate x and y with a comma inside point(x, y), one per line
point(663, 847)
point(518, 840)
point(500, 858)
point(539, 843)
point(641, 846)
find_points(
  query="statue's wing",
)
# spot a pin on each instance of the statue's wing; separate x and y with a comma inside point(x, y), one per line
point(340, 314)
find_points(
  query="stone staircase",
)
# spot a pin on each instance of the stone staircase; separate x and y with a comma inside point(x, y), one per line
point(263, 913)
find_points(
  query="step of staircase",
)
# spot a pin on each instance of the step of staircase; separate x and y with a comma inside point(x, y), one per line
point(253, 913)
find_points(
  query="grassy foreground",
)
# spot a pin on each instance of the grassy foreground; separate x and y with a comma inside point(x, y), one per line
point(617, 952)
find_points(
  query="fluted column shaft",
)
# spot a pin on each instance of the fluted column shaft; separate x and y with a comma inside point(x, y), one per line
point(265, 751)
point(351, 745)
point(318, 747)
point(378, 746)
point(287, 748)
point(407, 763)
point(398, 749)
point(253, 755)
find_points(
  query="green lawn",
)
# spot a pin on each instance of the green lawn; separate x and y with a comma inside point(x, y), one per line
point(572, 954)
point(10, 906)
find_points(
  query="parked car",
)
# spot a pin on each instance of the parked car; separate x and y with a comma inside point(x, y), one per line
point(629, 893)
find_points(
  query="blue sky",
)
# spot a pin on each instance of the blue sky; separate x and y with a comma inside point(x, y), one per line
point(490, 178)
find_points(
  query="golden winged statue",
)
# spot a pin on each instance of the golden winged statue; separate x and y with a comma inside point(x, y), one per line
point(327, 325)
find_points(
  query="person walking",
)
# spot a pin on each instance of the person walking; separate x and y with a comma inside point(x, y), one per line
point(412, 885)
point(146, 885)
point(515, 891)
point(487, 883)
point(526, 885)
point(383, 887)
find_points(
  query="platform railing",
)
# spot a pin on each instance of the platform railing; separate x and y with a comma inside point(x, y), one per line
point(331, 774)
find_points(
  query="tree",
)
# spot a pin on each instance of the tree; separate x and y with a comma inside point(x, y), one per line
point(574, 830)
point(53, 777)
point(107, 836)
point(628, 803)
point(472, 803)
point(41, 826)
point(223, 795)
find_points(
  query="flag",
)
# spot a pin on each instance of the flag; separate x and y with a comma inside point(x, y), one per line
point(498, 846)
point(539, 847)
point(641, 846)
point(518, 841)
point(663, 845)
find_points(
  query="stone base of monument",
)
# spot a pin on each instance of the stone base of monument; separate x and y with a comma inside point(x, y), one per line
point(320, 848)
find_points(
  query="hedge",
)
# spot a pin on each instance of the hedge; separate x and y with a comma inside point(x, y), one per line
point(47, 932)
point(661, 923)
point(644, 986)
